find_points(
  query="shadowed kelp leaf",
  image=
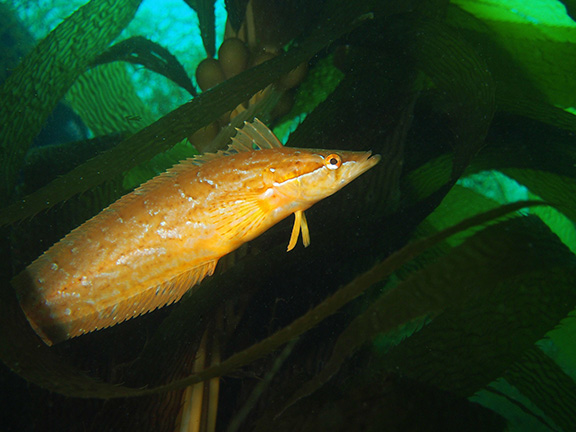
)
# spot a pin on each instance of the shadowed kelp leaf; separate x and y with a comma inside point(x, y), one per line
point(560, 225)
point(546, 385)
point(44, 163)
point(141, 51)
point(464, 86)
point(509, 251)
point(423, 181)
point(175, 126)
point(205, 11)
point(236, 10)
point(530, 275)
point(464, 349)
point(34, 88)
point(528, 151)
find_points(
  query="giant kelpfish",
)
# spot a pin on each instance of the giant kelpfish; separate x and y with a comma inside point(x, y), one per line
point(149, 247)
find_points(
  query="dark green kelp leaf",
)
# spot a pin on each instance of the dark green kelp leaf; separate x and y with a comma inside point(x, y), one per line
point(560, 225)
point(44, 163)
point(464, 85)
point(373, 402)
point(514, 143)
point(525, 290)
point(172, 128)
point(236, 10)
point(488, 258)
point(151, 55)
point(205, 11)
point(520, 142)
point(359, 332)
point(546, 385)
point(34, 88)
point(423, 181)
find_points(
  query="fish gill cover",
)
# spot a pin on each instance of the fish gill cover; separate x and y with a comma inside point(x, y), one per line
point(432, 297)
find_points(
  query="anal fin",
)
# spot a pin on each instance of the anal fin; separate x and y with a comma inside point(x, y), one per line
point(61, 327)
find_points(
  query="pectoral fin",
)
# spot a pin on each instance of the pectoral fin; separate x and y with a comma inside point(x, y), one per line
point(299, 223)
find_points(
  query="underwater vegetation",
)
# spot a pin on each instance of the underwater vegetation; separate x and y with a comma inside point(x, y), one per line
point(439, 289)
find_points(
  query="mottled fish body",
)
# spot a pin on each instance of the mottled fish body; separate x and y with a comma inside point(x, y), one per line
point(149, 247)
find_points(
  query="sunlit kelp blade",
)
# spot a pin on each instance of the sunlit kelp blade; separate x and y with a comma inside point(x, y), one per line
point(106, 100)
point(141, 51)
point(517, 91)
point(452, 210)
point(40, 81)
point(173, 127)
point(544, 48)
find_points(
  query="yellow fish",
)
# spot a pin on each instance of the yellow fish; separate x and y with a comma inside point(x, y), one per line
point(149, 247)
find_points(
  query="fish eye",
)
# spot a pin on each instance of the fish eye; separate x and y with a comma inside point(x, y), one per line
point(332, 161)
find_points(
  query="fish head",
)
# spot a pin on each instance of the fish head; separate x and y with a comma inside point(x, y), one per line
point(307, 176)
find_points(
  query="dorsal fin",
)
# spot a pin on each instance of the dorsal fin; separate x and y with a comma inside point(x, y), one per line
point(266, 134)
point(254, 136)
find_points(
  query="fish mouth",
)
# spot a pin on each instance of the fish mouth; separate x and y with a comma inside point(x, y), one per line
point(368, 160)
point(361, 163)
point(372, 159)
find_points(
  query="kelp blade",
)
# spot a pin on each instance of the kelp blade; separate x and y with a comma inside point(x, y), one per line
point(44, 76)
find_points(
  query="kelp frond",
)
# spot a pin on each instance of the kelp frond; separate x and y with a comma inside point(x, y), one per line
point(34, 88)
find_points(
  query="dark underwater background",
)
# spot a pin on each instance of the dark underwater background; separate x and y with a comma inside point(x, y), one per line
point(439, 290)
